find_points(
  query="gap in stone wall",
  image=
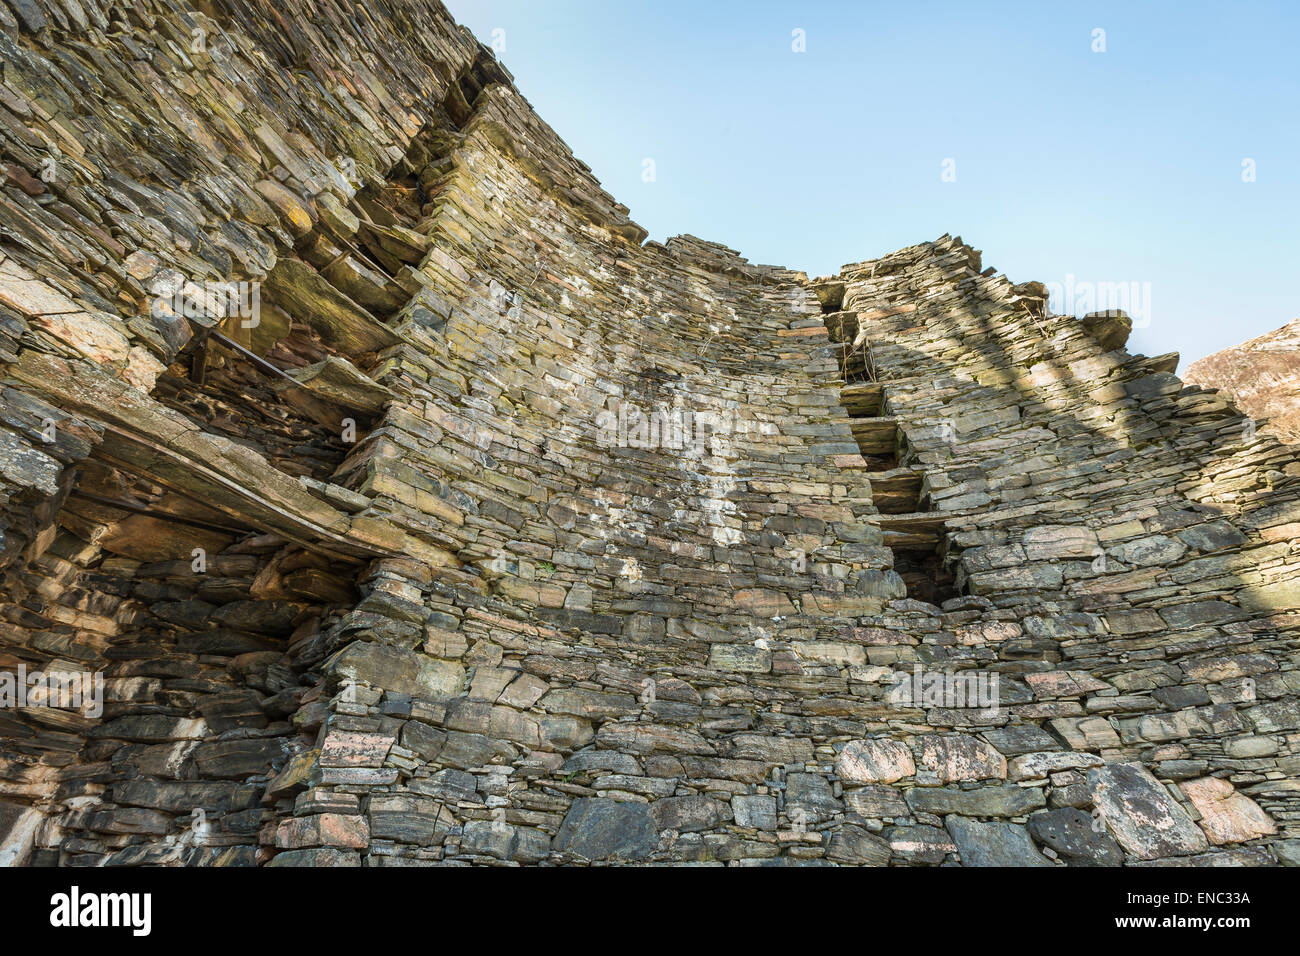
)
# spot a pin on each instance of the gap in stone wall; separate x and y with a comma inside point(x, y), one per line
point(206, 631)
point(915, 534)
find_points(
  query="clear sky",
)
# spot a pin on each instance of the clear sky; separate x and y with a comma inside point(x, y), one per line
point(1070, 166)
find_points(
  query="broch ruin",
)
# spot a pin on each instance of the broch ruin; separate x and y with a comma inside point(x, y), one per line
point(390, 500)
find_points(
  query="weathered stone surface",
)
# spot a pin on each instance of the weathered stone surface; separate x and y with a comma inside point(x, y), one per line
point(1037, 766)
point(1059, 542)
point(1110, 328)
point(993, 844)
point(599, 829)
point(1157, 549)
point(178, 796)
point(1006, 800)
point(1086, 733)
point(1054, 684)
point(322, 857)
point(425, 741)
point(809, 798)
point(338, 381)
point(323, 829)
point(874, 761)
point(757, 811)
point(1226, 815)
point(399, 670)
point(690, 813)
point(762, 602)
point(960, 757)
point(1019, 739)
point(236, 759)
point(1141, 814)
point(740, 657)
point(775, 750)
point(921, 844)
point(1280, 595)
point(876, 802)
point(1234, 857)
point(408, 819)
point(505, 842)
point(1072, 835)
point(652, 738)
point(858, 847)
point(589, 704)
point(349, 749)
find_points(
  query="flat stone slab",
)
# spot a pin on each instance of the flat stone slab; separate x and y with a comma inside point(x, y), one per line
point(1140, 813)
point(956, 757)
point(691, 813)
point(858, 847)
point(1071, 834)
point(993, 844)
point(1226, 815)
point(339, 381)
point(1007, 800)
point(874, 761)
point(596, 828)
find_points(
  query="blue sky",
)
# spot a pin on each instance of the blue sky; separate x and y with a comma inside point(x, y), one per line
point(1073, 167)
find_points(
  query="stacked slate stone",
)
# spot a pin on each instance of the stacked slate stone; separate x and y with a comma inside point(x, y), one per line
point(616, 567)
point(1127, 547)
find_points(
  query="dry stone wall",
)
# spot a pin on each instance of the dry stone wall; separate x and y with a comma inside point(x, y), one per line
point(503, 536)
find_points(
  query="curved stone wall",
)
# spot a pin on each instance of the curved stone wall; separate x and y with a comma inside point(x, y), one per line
point(524, 540)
